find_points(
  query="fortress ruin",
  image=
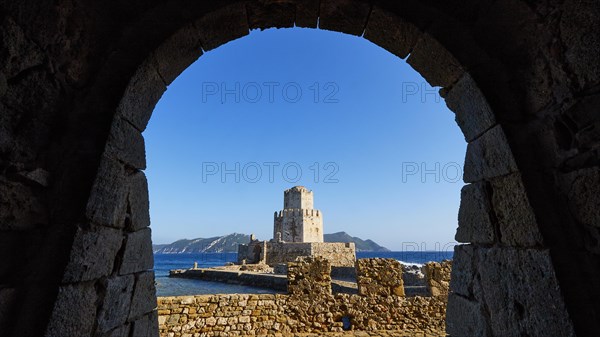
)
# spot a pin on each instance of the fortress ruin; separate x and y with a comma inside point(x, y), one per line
point(78, 85)
point(297, 231)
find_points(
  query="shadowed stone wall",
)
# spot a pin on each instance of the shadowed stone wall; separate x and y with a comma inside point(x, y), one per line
point(79, 80)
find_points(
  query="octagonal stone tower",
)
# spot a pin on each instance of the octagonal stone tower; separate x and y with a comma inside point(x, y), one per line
point(298, 221)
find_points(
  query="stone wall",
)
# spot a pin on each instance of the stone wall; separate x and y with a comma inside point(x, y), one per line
point(379, 277)
point(437, 277)
point(521, 77)
point(308, 308)
point(339, 254)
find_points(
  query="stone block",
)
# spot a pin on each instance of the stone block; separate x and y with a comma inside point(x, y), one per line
point(344, 16)
point(137, 255)
point(391, 32)
point(93, 254)
point(146, 326)
point(516, 220)
point(126, 144)
point(464, 272)
point(309, 277)
point(307, 13)
point(144, 295)
point(521, 290)
point(466, 317)
point(177, 53)
point(474, 221)
point(122, 331)
point(379, 277)
point(223, 25)
point(139, 205)
point(489, 156)
point(473, 113)
point(270, 14)
point(141, 95)
point(115, 305)
point(107, 203)
point(437, 277)
point(74, 311)
point(584, 197)
point(434, 62)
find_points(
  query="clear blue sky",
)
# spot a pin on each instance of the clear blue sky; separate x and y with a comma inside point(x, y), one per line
point(371, 123)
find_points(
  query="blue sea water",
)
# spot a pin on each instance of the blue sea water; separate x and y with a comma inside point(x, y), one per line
point(176, 287)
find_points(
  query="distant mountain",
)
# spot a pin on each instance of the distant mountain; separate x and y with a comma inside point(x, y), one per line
point(361, 245)
point(217, 244)
point(229, 243)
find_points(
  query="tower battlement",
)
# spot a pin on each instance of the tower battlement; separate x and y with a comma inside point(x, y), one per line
point(298, 221)
point(298, 197)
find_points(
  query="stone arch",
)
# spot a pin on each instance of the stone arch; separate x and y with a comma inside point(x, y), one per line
point(528, 210)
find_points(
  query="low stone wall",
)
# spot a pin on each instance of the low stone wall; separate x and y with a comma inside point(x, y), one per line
point(437, 277)
point(269, 281)
point(379, 277)
point(309, 307)
point(249, 314)
point(340, 254)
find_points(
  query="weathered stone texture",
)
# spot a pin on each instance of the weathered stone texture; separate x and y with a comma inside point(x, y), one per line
point(495, 290)
point(267, 14)
point(93, 254)
point(434, 62)
point(74, 311)
point(474, 219)
point(122, 331)
point(437, 276)
point(224, 25)
point(309, 276)
point(139, 205)
point(187, 43)
point(145, 88)
point(379, 277)
point(146, 326)
point(344, 16)
point(137, 255)
point(473, 114)
point(516, 220)
point(391, 32)
point(463, 281)
point(126, 144)
point(466, 318)
point(107, 202)
point(65, 66)
point(520, 288)
point(307, 13)
point(144, 295)
point(250, 314)
point(489, 156)
point(116, 302)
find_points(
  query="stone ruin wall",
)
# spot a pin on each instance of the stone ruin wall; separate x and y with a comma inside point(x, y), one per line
point(309, 306)
point(338, 253)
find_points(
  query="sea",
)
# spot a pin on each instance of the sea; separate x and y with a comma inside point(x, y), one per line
point(166, 286)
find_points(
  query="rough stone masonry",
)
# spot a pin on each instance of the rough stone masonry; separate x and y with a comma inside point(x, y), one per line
point(79, 81)
point(310, 307)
